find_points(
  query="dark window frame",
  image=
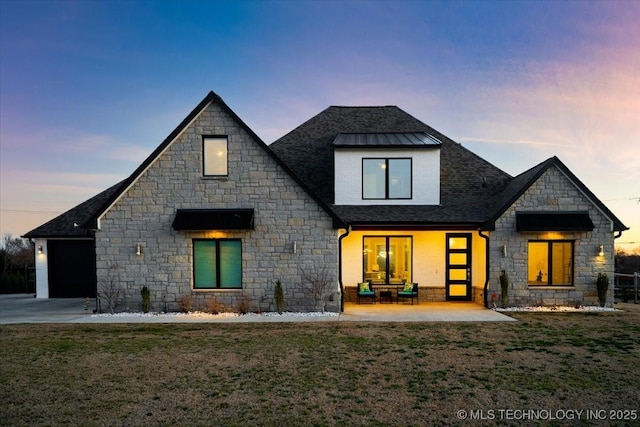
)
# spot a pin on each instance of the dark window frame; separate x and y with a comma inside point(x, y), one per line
point(217, 284)
point(387, 240)
point(386, 178)
point(549, 281)
point(204, 155)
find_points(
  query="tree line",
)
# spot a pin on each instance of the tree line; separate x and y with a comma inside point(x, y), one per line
point(17, 274)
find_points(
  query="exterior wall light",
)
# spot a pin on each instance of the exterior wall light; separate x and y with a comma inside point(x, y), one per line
point(40, 249)
point(504, 250)
point(294, 247)
point(139, 249)
point(601, 250)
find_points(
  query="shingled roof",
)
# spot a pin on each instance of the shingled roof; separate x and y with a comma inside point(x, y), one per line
point(522, 182)
point(469, 184)
point(82, 220)
point(73, 222)
point(473, 192)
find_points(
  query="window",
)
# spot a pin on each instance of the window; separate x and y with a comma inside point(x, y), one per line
point(386, 178)
point(217, 264)
point(550, 263)
point(387, 259)
point(215, 155)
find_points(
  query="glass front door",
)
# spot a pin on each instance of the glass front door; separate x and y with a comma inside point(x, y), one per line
point(458, 284)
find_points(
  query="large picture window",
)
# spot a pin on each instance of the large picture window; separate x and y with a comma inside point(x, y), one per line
point(214, 155)
point(386, 178)
point(217, 264)
point(550, 263)
point(387, 259)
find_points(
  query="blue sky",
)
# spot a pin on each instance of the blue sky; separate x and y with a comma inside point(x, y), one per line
point(89, 88)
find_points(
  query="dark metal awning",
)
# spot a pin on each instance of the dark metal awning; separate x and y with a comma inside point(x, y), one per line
point(553, 221)
point(213, 219)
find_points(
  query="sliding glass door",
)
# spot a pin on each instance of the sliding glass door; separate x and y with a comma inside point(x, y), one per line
point(387, 259)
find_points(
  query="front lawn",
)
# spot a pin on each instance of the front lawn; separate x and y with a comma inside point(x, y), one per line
point(325, 373)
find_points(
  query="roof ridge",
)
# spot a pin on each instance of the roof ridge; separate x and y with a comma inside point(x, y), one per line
point(364, 106)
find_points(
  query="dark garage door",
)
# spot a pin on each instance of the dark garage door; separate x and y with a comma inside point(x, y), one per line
point(72, 268)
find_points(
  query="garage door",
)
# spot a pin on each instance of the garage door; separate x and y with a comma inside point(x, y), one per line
point(72, 268)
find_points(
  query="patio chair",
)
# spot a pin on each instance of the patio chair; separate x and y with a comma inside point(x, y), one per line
point(365, 290)
point(410, 291)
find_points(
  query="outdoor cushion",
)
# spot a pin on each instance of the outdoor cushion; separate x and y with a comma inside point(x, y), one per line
point(408, 287)
point(367, 293)
point(364, 287)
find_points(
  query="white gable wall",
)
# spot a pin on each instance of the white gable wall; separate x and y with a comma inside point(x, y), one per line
point(425, 169)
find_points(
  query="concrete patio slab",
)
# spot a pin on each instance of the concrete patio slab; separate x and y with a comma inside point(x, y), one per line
point(27, 309)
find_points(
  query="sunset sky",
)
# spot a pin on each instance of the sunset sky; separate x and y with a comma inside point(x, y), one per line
point(89, 88)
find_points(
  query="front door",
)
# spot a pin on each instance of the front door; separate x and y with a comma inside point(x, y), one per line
point(458, 283)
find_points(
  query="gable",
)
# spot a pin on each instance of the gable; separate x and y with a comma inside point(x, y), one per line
point(551, 186)
point(210, 117)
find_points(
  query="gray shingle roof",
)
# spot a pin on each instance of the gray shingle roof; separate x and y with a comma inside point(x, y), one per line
point(73, 223)
point(469, 184)
point(473, 192)
point(86, 215)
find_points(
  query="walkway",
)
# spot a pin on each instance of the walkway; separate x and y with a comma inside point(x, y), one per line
point(27, 309)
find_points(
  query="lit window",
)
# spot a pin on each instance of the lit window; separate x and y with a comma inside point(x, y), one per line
point(550, 263)
point(387, 259)
point(215, 156)
point(217, 264)
point(386, 178)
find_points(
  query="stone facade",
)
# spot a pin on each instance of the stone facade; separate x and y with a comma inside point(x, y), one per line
point(552, 192)
point(284, 214)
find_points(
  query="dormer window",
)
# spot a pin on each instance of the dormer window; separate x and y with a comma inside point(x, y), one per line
point(386, 178)
point(214, 150)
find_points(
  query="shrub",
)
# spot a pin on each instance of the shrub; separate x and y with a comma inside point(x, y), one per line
point(243, 305)
point(146, 298)
point(504, 286)
point(186, 303)
point(110, 290)
point(602, 284)
point(213, 306)
point(279, 296)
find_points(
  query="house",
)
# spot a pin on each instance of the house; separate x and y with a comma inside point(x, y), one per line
point(354, 194)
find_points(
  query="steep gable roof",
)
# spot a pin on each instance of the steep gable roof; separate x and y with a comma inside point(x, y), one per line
point(522, 182)
point(467, 181)
point(210, 98)
point(87, 214)
point(72, 222)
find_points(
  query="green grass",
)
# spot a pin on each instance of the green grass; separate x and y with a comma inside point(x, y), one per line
point(320, 374)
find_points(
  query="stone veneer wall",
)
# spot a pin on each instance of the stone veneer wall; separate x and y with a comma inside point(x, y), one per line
point(284, 214)
point(552, 192)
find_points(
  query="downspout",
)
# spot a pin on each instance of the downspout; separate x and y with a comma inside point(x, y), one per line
point(487, 267)
point(340, 267)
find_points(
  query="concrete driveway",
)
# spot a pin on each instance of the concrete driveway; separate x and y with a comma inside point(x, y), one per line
point(27, 309)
